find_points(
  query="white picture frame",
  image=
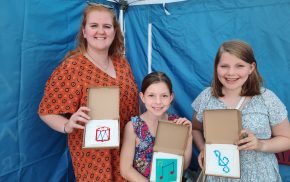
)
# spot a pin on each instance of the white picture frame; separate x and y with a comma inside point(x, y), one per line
point(102, 134)
point(162, 155)
point(222, 160)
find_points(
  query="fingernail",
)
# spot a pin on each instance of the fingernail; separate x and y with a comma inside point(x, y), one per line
point(245, 135)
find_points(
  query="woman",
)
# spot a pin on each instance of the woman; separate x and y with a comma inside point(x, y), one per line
point(97, 61)
point(264, 117)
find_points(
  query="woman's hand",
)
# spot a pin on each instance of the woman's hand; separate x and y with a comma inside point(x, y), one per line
point(77, 120)
point(249, 141)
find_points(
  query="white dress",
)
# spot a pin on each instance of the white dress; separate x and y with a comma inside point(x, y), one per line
point(258, 115)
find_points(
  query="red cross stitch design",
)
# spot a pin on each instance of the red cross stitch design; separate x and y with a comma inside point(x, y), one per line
point(103, 134)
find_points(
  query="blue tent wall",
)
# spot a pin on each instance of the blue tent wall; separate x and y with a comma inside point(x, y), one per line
point(34, 38)
point(35, 35)
point(185, 42)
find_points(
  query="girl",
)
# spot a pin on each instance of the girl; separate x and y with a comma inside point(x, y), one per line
point(264, 117)
point(136, 154)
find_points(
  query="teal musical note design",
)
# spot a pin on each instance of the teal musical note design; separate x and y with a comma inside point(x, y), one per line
point(222, 161)
point(166, 170)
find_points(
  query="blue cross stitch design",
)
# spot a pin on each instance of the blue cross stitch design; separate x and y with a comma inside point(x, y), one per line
point(222, 161)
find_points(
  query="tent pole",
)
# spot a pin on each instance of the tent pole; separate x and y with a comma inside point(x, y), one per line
point(149, 48)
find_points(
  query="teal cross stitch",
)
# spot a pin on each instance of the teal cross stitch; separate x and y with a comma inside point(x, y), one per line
point(222, 161)
point(166, 170)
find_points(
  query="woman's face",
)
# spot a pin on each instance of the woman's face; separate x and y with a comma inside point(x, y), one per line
point(99, 30)
point(157, 98)
point(233, 72)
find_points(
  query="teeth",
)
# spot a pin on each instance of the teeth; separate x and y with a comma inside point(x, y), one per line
point(231, 79)
point(157, 108)
point(100, 38)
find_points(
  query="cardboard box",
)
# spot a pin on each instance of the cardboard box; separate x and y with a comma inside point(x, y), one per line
point(221, 130)
point(170, 144)
point(103, 130)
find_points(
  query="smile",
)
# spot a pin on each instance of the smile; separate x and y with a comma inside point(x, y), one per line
point(100, 38)
point(231, 79)
point(157, 108)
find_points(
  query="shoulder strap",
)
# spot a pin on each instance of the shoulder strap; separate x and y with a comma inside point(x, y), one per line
point(240, 102)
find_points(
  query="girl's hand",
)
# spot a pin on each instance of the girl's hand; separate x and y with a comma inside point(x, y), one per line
point(185, 121)
point(77, 120)
point(201, 159)
point(182, 121)
point(249, 141)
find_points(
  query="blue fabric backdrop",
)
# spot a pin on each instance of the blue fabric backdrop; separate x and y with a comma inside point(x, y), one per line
point(35, 35)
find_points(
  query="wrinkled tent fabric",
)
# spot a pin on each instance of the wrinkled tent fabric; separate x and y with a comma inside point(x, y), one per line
point(142, 2)
point(35, 35)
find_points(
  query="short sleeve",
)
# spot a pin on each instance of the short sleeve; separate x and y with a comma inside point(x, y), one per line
point(276, 109)
point(62, 90)
point(200, 103)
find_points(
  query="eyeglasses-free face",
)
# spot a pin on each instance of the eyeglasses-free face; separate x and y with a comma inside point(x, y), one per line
point(99, 30)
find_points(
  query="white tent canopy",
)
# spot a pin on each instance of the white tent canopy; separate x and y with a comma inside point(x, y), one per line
point(125, 3)
point(141, 2)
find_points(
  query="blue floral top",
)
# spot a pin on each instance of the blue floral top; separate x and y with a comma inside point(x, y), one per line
point(144, 150)
point(258, 115)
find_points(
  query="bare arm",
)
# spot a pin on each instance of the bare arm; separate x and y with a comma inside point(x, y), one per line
point(54, 121)
point(198, 139)
point(127, 156)
point(64, 125)
point(279, 142)
point(197, 130)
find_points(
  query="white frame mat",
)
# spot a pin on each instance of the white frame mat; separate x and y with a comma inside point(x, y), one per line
point(162, 155)
point(102, 134)
point(222, 160)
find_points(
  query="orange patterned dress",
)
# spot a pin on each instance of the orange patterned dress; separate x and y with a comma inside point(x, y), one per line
point(66, 90)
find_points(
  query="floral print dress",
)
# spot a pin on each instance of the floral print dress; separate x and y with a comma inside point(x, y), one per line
point(258, 116)
point(144, 150)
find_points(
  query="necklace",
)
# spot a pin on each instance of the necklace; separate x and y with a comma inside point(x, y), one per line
point(98, 64)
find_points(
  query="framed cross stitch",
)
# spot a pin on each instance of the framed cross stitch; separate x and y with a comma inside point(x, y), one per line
point(222, 160)
point(166, 167)
point(101, 134)
point(103, 130)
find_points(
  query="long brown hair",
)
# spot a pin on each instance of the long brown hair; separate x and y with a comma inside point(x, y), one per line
point(243, 51)
point(117, 47)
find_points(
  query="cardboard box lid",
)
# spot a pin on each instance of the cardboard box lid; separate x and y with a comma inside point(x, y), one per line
point(171, 138)
point(103, 102)
point(222, 126)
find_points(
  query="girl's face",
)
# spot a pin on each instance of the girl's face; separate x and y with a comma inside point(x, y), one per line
point(157, 98)
point(233, 72)
point(99, 30)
